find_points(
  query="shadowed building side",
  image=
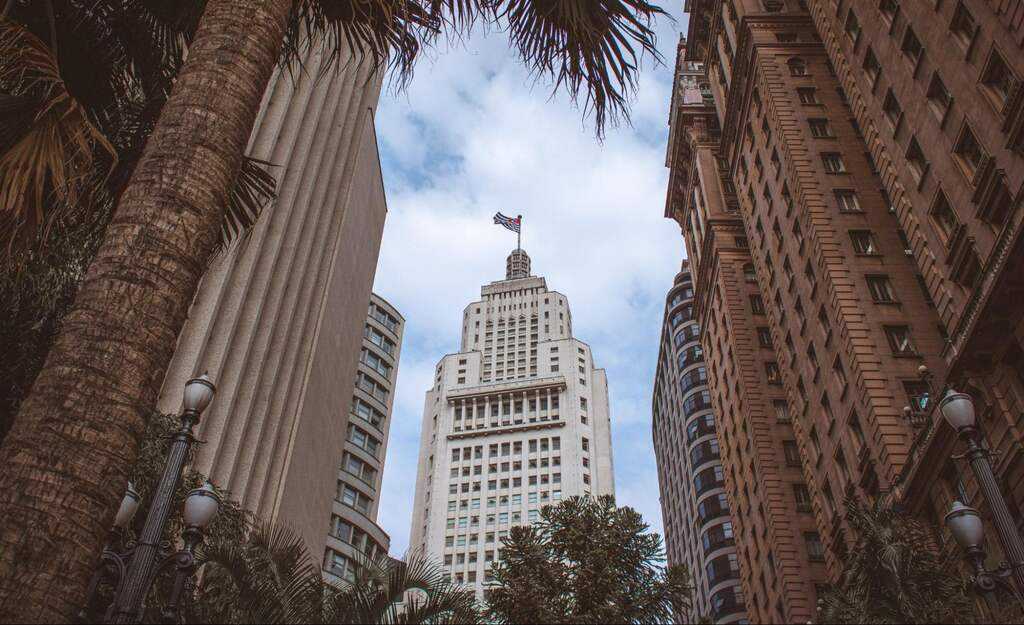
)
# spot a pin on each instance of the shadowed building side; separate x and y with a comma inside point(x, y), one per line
point(354, 532)
point(695, 508)
point(278, 319)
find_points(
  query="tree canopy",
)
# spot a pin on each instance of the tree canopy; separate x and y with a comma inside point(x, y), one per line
point(587, 561)
point(897, 574)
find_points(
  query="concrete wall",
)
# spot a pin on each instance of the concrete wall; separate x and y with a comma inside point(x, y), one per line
point(278, 319)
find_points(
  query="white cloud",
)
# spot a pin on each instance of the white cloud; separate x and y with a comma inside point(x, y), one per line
point(474, 134)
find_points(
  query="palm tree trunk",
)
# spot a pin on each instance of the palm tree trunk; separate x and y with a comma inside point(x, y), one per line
point(65, 461)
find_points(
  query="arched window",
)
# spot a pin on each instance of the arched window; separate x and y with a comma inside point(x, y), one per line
point(797, 66)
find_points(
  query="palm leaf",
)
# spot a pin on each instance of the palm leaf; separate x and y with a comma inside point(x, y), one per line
point(588, 47)
point(388, 33)
point(254, 188)
point(47, 170)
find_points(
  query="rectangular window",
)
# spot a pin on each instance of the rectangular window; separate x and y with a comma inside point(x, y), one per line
point(963, 26)
point(863, 242)
point(852, 27)
point(900, 341)
point(820, 128)
point(833, 163)
point(872, 68)
point(939, 99)
point(807, 95)
point(892, 109)
point(916, 161)
point(943, 216)
point(791, 453)
point(815, 550)
point(756, 305)
point(781, 407)
point(998, 80)
point(771, 370)
point(847, 201)
point(881, 289)
point(802, 497)
point(969, 153)
point(764, 337)
point(912, 48)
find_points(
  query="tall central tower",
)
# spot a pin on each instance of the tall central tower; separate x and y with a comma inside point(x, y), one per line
point(517, 420)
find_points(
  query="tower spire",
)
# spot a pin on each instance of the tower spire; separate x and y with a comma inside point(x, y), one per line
point(518, 265)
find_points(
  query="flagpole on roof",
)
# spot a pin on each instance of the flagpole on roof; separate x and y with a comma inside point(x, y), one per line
point(519, 234)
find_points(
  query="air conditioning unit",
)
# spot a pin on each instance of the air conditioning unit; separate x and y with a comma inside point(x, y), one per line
point(908, 252)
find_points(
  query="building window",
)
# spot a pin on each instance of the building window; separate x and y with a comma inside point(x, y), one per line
point(756, 305)
point(771, 370)
point(833, 162)
point(943, 216)
point(916, 161)
point(815, 550)
point(802, 497)
point(912, 47)
point(852, 27)
point(969, 153)
point(764, 337)
point(863, 242)
point(872, 68)
point(748, 272)
point(847, 201)
point(881, 289)
point(820, 128)
point(785, 37)
point(998, 80)
point(899, 340)
point(772, 6)
point(840, 374)
point(939, 98)
point(807, 95)
point(891, 108)
point(963, 26)
point(791, 453)
point(889, 9)
point(797, 67)
point(781, 407)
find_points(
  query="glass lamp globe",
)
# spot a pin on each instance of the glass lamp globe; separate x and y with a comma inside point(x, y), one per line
point(129, 506)
point(965, 525)
point(201, 506)
point(958, 410)
point(198, 393)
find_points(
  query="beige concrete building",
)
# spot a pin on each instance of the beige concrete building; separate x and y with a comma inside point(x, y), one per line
point(278, 320)
point(354, 532)
point(517, 419)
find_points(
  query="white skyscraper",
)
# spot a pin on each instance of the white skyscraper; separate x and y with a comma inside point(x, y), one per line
point(517, 420)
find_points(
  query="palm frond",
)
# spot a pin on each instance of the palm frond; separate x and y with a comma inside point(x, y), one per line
point(387, 33)
point(268, 578)
point(47, 170)
point(592, 48)
point(254, 188)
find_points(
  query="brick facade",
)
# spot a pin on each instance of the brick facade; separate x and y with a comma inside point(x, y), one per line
point(875, 221)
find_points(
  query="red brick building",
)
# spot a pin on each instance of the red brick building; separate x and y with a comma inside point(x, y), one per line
point(847, 176)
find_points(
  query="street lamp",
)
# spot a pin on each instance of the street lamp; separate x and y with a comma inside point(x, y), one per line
point(965, 524)
point(133, 566)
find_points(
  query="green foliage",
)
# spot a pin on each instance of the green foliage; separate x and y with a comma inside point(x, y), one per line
point(896, 574)
point(255, 572)
point(587, 561)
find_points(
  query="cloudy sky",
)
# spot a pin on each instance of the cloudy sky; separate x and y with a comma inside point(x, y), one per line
point(474, 134)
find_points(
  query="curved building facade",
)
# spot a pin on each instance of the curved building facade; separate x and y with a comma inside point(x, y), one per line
point(694, 505)
point(353, 531)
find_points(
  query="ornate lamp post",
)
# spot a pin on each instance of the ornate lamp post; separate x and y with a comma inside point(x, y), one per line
point(964, 522)
point(133, 567)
